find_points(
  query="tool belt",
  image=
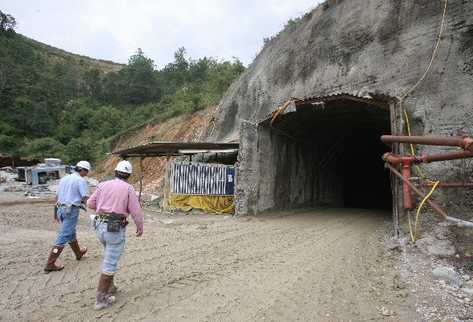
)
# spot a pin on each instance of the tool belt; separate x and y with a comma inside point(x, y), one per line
point(114, 221)
point(64, 206)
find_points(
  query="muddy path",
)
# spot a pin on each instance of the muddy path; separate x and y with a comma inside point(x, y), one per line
point(305, 265)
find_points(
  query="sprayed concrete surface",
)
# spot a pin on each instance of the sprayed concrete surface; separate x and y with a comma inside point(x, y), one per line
point(365, 48)
point(307, 265)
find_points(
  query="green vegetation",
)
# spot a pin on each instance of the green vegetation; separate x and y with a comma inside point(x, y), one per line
point(469, 266)
point(56, 104)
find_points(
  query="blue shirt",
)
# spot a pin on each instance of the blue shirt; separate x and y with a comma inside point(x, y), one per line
point(72, 189)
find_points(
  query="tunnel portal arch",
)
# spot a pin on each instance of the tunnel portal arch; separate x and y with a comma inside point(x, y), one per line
point(318, 151)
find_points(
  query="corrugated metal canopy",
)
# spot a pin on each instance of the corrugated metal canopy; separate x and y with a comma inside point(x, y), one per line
point(157, 149)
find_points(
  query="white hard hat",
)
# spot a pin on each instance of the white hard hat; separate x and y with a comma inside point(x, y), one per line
point(84, 165)
point(124, 166)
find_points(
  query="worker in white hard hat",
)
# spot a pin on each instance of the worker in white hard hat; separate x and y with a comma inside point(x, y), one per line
point(113, 201)
point(72, 194)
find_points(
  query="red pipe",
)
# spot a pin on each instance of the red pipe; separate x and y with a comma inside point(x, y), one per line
point(427, 158)
point(397, 159)
point(406, 190)
point(463, 142)
point(434, 205)
point(446, 156)
point(449, 184)
point(406, 163)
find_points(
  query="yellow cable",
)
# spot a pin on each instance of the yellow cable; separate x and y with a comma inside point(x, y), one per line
point(409, 133)
point(412, 146)
point(419, 208)
point(410, 91)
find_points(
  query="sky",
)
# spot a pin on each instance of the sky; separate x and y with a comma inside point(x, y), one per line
point(115, 29)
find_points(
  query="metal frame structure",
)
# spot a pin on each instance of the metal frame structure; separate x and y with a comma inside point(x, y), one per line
point(161, 149)
point(407, 161)
point(170, 149)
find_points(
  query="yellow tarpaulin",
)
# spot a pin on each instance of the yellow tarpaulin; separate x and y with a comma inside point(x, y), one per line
point(210, 204)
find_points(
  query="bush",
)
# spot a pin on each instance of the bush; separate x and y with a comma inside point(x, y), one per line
point(80, 149)
point(43, 148)
point(56, 108)
point(10, 144)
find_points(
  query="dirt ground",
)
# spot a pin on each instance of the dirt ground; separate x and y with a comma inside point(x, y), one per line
point(306, 265)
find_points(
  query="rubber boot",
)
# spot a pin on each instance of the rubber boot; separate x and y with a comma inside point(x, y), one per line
point(80, 252)
point(113, 289)
point(104, 299)
point(53, 256)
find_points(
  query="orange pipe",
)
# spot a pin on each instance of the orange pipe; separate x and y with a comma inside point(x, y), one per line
point(434, 205)
point(406, 190)
point(449, 184)
point(446, 156)
point(406, 163)
point(464, 142)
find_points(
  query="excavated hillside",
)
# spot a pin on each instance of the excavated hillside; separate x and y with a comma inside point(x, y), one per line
point(360, 47)
point(351, 62)
point(184, 128)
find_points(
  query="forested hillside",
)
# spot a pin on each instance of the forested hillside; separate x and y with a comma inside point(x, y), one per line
point(53, 103)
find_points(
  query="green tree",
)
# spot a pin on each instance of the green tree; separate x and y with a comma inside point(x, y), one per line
point(80, 149)
point(175, 75)
point(113, 85)
point(74, 120)
point(140, 84)
point(7, 22)
point(43, 148)
point(106, 121)
point(92, 85)
point(10, 144)
point(53, 104)
point(32, 118)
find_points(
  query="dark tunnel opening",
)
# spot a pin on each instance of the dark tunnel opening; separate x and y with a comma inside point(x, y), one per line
point(366, 184)
point(327, 154)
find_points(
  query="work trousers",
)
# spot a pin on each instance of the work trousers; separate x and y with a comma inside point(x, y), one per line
point(113, 245)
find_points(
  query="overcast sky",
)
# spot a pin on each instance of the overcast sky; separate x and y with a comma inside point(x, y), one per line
point(114, 29)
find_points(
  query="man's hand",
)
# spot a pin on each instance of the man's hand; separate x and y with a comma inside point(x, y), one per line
point(139, 232)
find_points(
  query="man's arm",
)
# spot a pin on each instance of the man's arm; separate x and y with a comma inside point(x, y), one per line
point(56, 199)
point(134, 209)
point(92, 201)
point(84, 191)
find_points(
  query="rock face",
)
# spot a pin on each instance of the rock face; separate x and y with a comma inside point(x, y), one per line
point(378, 48)
point(447, 274)
point(361, 46)
point(436, 247)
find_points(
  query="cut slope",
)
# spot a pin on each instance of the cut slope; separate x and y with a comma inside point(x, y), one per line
point(360, 47)
point(184, 128)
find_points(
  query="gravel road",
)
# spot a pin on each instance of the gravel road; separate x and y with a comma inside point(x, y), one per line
point(304, 265)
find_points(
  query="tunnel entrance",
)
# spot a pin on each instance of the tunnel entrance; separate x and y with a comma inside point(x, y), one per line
point(320, 152)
